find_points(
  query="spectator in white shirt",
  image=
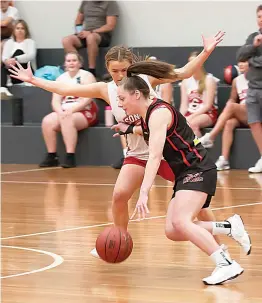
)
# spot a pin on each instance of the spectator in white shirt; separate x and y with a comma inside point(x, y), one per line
point(19, 48)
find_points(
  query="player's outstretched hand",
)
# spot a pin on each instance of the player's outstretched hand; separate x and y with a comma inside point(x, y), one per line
point(211, 42)
point(20, 73)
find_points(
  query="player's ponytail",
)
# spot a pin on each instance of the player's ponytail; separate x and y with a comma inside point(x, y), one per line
point(156, 69)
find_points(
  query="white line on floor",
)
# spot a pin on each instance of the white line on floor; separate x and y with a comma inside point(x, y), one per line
point(113, 184)
point(28, 170)
point(110, 223)
point(57, 261)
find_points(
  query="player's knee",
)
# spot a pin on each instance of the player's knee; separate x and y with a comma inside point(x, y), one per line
point(179, 225)
point(172, 234)
point(169, 232)
point(120, 197)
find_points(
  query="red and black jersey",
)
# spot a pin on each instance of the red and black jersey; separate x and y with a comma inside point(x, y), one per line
point(182, 150)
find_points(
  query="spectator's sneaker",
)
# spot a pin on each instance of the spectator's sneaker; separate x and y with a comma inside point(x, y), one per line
point(257, 168)
point(49, 161)
point(222, 164)
point(223, 273)
point(94, 253)
point(239, 234)
point(5, 93)
point(70, 161)
point(206, 142)
point(118, 164)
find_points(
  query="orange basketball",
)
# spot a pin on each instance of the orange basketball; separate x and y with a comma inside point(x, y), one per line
point(114, 244)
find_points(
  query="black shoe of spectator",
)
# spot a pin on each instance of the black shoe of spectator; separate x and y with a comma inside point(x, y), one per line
point(70, 161)
point(49, 161)
point(118, 164)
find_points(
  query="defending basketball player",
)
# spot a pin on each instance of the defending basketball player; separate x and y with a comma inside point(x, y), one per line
point(168, 134)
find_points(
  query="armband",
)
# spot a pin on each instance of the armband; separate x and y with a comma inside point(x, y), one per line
point(129, 130)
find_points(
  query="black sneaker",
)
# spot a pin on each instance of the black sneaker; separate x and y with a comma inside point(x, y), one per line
point(49, 161)
point(118, 164)
point(69, 161)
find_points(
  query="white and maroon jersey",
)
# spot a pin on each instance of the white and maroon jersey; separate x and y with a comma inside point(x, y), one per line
point(68, 101)
point(137, 146)
point(242, 87)
point(196, 100)
point(159, 91)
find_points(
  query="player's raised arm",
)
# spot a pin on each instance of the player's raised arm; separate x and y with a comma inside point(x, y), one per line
point(94, 90)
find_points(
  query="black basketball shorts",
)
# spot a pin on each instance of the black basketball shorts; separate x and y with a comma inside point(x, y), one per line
point(204, 181)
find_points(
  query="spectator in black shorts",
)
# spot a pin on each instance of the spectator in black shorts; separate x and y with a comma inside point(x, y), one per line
point(94, 23)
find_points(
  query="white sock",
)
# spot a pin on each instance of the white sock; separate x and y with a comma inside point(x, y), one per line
point(219, 257)
point(124, 151)
point(219, 228)
point(222, 157)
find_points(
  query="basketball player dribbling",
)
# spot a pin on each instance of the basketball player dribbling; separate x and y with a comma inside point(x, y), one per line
point(168, 135)
point(118, 59)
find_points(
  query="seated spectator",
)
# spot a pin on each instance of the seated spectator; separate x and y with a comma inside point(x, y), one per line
point(71, 114)
point(233, 115)
point(9, 14)
point(165, 90)
point(94, 23)
point(198, 99)
point(20, 48)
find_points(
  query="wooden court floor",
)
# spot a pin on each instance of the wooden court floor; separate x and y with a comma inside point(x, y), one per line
point(50, 221)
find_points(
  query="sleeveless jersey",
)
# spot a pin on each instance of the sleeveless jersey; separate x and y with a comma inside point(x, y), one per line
point(159, 91)
point(69, 101)
point(196, 100)
point(136, 145)
point(182, 150)
point(242, 87)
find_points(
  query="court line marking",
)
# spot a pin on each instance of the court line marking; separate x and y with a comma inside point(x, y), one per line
point(57, 261)
point(113, 184)
point(28, 170)
point(110, 223)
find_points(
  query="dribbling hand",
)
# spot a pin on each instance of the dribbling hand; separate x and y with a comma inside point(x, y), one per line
point(211, 42)
point(20, 73)
point(141, 207)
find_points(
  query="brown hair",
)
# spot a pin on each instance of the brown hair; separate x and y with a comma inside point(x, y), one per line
point(202, 81)
point(133, 83)
point(156, 69)
point(25, 25)
point(120, 53)
point(259, 8)
point(80, 58)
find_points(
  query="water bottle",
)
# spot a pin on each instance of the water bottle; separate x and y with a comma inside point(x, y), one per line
point(17, 111)
point(109, 118)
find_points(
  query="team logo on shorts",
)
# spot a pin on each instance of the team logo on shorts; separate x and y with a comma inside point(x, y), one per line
point(193, 178)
